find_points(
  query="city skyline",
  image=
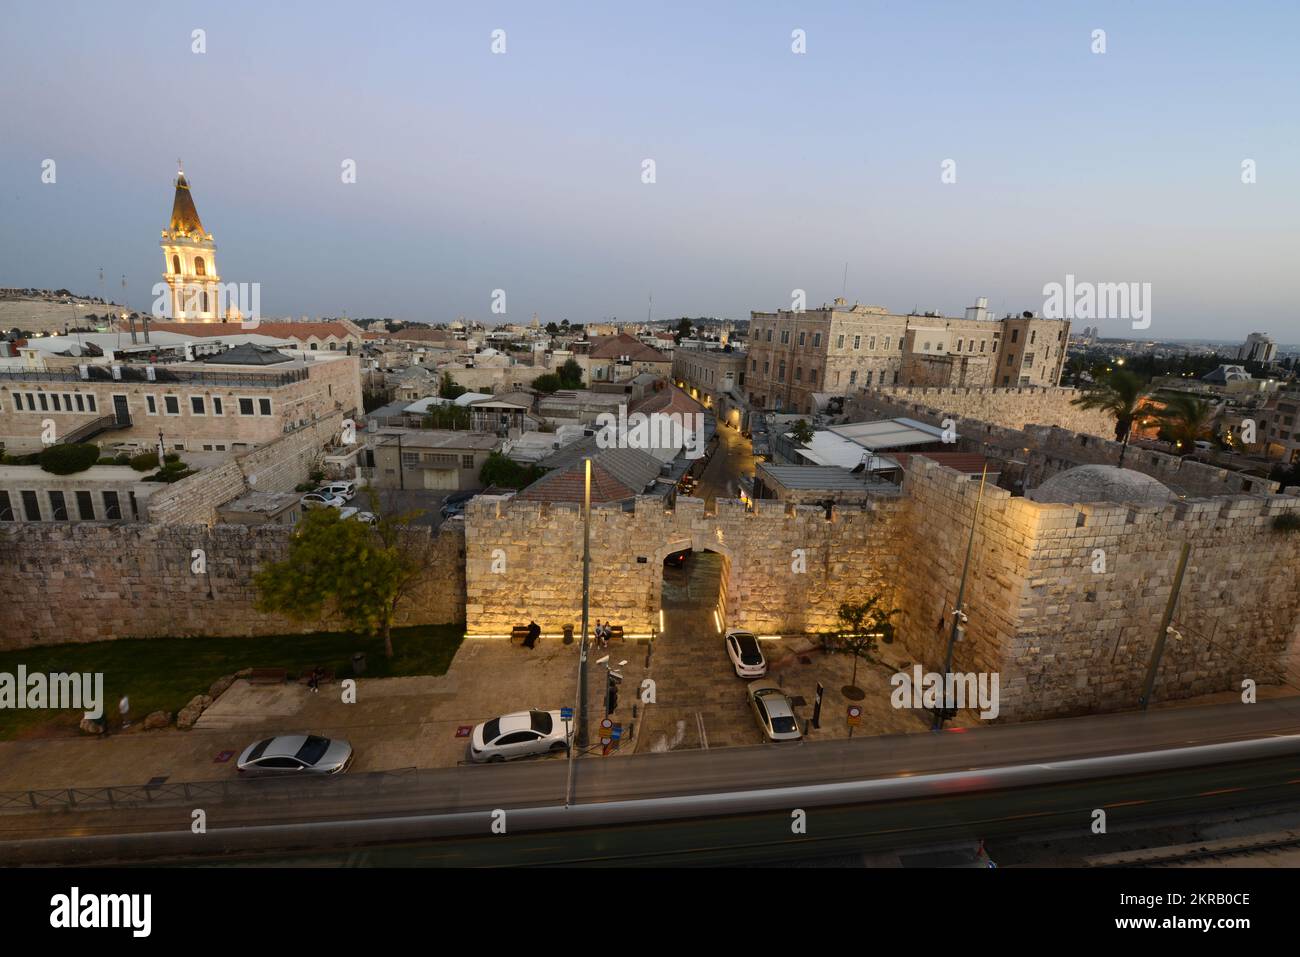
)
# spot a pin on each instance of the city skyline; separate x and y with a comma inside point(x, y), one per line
point(774, 171)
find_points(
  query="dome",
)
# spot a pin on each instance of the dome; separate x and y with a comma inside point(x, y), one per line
point(1102, 483)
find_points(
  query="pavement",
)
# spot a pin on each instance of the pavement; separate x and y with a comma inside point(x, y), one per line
point(733, 457)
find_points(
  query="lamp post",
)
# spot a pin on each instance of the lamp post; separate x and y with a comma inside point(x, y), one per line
point(958, 616)
point(583, 740)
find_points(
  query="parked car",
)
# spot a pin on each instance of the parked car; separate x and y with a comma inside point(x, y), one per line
point(290, 753)
point(745, 654)
point(368, 517)
point(774, 712)
point(518, 735)
point(320, 500)
point(344, 490)
point(454, 504)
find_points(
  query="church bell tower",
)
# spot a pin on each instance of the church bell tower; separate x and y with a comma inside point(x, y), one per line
point(190, 261)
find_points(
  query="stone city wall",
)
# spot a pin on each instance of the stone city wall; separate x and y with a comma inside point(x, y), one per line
point(524, 560)
point(98, 581)
point(1071, 635)
point(1010, 408)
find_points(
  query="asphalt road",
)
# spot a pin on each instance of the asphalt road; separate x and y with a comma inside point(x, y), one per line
point(539, 784)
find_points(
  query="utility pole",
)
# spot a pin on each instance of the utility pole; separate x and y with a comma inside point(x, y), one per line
point(957, 615)
point(1159, 649)
point(583, 741)
point(401, 475)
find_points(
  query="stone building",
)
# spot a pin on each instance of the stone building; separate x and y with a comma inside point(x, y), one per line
point(839, 348)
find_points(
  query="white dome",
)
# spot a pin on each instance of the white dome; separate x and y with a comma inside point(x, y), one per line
point(1102, 483)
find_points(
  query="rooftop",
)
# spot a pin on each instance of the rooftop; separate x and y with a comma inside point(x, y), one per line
point(437, 439)
point(1101, 483)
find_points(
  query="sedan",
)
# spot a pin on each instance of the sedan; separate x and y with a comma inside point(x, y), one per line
point(368, 517)
point(519, 735)
point(321, 500)
point(745, 654)
point(774, 712)
point(344, 490)
point(289, 753)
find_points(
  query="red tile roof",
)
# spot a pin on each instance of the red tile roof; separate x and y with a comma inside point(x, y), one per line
point(276, 330)
point(612, 347)
point(670, 399)
point(568, 485)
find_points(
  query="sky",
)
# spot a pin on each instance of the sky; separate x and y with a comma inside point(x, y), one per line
point(774, 171)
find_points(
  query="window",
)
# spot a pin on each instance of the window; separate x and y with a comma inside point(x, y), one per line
point(1028, 362)
point(870, 375)
point(780, 375)
point(853, 377)
point(785, 337)
point(410, 460)
point(18, 401)
point(90, 403)
point(753, 367)
point(887, 338)
point(200, 269)
point(812, 376)
point(1011, 357)
point(1015, 334)
point(313, 347)
point(81, 407)
point(245, 406)
point(871, 343)
point(467, 461)
point(798, 373)
point(54, 398)
point(31, 506)
point(171, 405)
point(216, 405)
point(151, 405)
point(926, 348)
point(58, 507)
point(958, 349)
point(839, 342)
point(817, 340)
point(263, 406)
point(85, 506)
point(41, 396)
point(766, 366)
point(857, 342)
point(769, 335)
point(6, 508)
point(196, 405)
point(982, 341)
point(1032, 336)
point(801, 335)
point(176, 265)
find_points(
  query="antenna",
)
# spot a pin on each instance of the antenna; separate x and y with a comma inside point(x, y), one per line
point(845, 288)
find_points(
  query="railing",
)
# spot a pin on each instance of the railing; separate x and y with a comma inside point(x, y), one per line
point(94, 427)
point(233, 788)
point(102, 374)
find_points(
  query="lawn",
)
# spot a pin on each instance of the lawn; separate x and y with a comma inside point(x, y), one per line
point(163, 674)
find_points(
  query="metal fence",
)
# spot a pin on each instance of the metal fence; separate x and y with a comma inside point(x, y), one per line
point(227, 789)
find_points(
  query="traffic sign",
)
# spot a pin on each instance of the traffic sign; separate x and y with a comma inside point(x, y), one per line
point(855, 715)
point(566, 714)
point(606, 730)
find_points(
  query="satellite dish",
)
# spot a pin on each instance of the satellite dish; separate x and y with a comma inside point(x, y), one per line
point(74, 350)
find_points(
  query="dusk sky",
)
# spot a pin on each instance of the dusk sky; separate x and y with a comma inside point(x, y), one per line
point(523, 171)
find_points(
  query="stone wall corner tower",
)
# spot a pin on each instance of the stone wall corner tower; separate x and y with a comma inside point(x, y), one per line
point(190, 261)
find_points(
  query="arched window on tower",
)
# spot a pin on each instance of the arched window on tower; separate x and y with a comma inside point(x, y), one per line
point(176, 265)
point(205, 300)
point(199, 268)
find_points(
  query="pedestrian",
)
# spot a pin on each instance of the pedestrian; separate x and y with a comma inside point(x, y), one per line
point(534, 632)
point(314, 681)
point(124, 708)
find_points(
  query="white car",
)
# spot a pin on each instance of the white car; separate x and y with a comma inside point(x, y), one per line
point(288, 753)
point(344, 490)
point(368, 517)
point(745, 654)
point(320, 500)
point(518, 735)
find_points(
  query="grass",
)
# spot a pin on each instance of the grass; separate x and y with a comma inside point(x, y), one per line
point(163, 674)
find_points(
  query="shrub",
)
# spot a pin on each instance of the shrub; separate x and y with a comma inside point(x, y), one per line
point(144, 461)
point(66, 459)
point(171, 457)
point(1287, 522)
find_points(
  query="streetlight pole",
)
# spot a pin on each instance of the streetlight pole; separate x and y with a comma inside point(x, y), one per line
point(583, 740)
point(957, 615)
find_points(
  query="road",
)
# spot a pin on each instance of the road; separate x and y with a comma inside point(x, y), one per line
point(732, 458)
point(514, 789)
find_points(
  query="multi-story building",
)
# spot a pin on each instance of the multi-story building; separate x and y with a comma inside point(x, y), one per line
point(233, 400)
point(839, 349)
point(430, 458)
point(1280, 426)
point(621, 357)
point(713, 377)
point(1258, 347)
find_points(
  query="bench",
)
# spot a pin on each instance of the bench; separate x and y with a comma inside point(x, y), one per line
point(518, 634)
point(267, 676)
point(615, 632)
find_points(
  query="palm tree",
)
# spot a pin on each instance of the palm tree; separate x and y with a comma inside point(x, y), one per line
point(1185, 418)
point(1121, 394)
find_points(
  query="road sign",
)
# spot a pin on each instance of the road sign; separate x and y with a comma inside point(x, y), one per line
point(855, 715)
point(606, 730)
point(817, 707)
point(616, 732)
point(566, 714)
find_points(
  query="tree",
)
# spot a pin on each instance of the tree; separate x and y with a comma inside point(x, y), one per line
point(683, 329)
point(504, 472)
point(447, 417)
point(570, 374)
point(552, 329)
point(1121, 394)
point(802, 432)
point(1185, 419)
point(448, 389)
point(861, 623)
point(360, 572)
point(547, 383)
point(67, 459)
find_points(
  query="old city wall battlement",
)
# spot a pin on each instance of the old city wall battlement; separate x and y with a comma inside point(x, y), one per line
point(99, 581)
point(1010, 408)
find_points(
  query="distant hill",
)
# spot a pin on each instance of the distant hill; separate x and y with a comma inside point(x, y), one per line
point(50, 310)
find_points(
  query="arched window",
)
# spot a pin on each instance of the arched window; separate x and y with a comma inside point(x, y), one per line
point(199, 268)
point(205, 302)
point(176, 265)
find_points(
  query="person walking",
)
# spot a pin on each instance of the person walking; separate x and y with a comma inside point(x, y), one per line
point(534, 632)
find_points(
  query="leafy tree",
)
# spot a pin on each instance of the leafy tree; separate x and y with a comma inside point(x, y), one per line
point(547, 383)
point(67, 459)
point(1121, 393)
point(447, 417)
point(448, 388)
point(802, 432)
point(1185, 419)
point(683, 330)
point(861, 623)
point(361, 573)
point(504, 472)
point(570, 374)
point(552, 329)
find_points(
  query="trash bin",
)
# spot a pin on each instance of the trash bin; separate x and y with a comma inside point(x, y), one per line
point(359, 663)
point(568, 634)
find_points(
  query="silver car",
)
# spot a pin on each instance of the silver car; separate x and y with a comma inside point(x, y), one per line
point(774, 713)
point(294, 753)
point(518, 735)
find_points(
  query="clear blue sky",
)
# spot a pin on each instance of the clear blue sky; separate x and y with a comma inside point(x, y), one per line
point(523, 171)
